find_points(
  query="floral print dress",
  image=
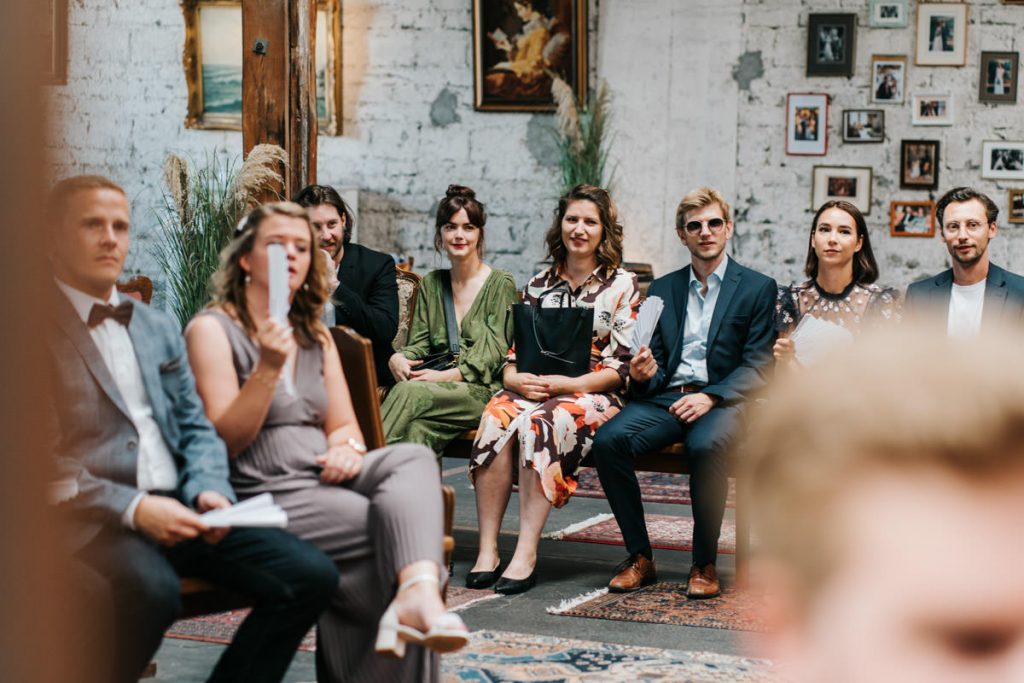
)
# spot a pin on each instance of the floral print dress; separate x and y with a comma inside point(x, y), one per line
point(555, 435)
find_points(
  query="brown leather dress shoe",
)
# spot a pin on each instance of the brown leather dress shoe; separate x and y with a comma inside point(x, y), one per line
point(635, 572)
point(703, 583)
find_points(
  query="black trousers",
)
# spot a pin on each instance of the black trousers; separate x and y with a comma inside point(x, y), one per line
point(645, 425)
point(289, 582)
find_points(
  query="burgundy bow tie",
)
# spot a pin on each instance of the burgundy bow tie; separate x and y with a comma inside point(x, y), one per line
point(121, 313)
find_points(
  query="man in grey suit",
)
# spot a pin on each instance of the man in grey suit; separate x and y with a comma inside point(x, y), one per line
point(139, 461)
point(974, 290)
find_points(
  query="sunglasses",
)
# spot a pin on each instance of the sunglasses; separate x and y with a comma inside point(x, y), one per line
point(714, 225)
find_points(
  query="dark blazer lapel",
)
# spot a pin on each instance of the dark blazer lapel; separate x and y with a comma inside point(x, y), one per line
point(78, 334)
point(995, 294)
point(350, 262)
point(942, 292)
point(680, 297)
point(729, 285)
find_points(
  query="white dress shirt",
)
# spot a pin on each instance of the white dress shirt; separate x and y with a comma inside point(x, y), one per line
point(156, 470)
point(700, 308)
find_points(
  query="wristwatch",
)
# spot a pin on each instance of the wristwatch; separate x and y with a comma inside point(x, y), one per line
point(357, 446)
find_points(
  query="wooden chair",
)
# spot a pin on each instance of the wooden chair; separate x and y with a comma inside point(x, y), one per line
point(408, 286)
point(356, 354)
point(139, 287)
point(407, 264)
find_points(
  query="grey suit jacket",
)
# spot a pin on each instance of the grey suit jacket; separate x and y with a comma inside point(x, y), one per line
point(1004, 297)
point(96, 443)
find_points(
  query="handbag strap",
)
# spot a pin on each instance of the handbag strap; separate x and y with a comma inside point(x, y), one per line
point(449, 312)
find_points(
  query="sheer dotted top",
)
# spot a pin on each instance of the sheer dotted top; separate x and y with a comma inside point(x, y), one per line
point(855, 308)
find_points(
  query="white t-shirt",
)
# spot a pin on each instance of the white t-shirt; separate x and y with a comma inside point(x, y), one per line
point(965, 304)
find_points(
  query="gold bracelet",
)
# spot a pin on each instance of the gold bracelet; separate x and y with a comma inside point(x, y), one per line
point(264, 380)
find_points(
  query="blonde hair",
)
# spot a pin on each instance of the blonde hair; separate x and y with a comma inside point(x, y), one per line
point(229, 280)
point(886, 406)
point(62, 191)
point(698, 199)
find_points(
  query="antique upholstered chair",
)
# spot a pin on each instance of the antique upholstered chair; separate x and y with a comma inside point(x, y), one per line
point(408, 285)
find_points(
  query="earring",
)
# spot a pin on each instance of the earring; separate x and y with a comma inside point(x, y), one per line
point(305, 287)
point(248, 278)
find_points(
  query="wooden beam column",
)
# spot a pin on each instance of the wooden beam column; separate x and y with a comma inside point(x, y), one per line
point(279, 83)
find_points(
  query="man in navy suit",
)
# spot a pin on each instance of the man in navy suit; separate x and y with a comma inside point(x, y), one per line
point(139, 461)
point(366, 296)
point(974, 290)
point(711, 349)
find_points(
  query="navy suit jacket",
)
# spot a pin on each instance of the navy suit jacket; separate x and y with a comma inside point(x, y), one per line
point(1004, 296)
point(95, 441)
point(740, 338)
point(367, 301)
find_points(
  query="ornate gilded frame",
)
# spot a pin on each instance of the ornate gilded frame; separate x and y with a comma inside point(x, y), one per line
point(192, 61)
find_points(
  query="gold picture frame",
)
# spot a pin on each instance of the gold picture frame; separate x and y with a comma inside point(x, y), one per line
point(55, 41)
point(215, 88)
point(520, 45)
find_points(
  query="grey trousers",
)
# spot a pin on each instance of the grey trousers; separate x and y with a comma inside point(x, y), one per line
point(388, 517)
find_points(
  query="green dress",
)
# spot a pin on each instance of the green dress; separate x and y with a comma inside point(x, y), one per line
point(434, 413)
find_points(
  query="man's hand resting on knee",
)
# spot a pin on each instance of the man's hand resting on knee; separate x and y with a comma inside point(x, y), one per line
point(692, 406)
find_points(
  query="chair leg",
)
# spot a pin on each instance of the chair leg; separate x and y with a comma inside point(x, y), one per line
point(449, 521)
point(742, 533)
point(149, 671)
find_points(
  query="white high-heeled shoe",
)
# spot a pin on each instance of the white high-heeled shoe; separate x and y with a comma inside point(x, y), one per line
point(448, 633)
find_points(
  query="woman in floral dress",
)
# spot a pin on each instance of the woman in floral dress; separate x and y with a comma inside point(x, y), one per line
point(840, 295)
point(540, 427)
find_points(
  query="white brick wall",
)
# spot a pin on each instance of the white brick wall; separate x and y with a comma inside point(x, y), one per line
point(681, 118)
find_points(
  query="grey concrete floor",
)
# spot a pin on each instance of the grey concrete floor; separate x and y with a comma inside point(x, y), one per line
point(565, 570)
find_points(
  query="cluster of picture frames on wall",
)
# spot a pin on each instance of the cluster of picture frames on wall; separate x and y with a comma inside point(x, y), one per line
point(941, 40)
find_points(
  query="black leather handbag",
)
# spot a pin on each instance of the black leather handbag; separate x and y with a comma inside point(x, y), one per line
point(445, 360)
point(554, 340)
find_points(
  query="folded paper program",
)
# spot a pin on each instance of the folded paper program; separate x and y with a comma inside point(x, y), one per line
point(259, 511)
point(646, 321)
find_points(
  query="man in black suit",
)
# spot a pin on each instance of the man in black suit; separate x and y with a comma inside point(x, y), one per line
point(974, 290)
point(139, 461)
point(366, 298)
point(711, 349)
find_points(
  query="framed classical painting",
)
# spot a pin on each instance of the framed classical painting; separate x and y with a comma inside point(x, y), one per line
point(997, 81)
point(520, 46)
point(941, 34)
point(888, 14)
point(806, 124)
point(852, 183)
point(919, 164)
point(931, 110)
point(912, 219)
point(1015, 207)
point(888, 78)
point(863, 125)
point(213, 64)
point(53, 42)
point(831, 44)
point(1002, 160)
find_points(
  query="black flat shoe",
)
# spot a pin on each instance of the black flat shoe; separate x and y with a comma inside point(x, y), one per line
point(513, 586)
point(483, 579)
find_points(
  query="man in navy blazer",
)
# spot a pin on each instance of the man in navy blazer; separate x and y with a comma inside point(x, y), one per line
point(974, 290)
point(711, 349)
point(366, 296)
point(139, 461)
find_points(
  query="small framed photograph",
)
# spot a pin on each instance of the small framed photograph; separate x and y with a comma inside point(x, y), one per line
point(919, 164)
point(806, 124)
point(863, 125)
point(888, 77)
point(851, 183)
point(941, 34)
point(932, 110)
point(1015, 206)
point(1002, 160)
point(888, 14)
point(912, 219)
point(831, 44)
point(998, 79)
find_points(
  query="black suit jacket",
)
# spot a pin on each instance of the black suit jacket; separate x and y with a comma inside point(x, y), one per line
point(1004, 296)
point(739, 341)
point(367, 301)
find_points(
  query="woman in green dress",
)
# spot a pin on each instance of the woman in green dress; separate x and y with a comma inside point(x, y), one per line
point(433, 406)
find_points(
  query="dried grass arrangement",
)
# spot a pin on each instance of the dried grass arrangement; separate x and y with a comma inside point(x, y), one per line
point(202, 206)
point(584, 137)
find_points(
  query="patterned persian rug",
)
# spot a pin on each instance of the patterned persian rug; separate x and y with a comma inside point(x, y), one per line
point(667, 532)
point(666, 603)
point(220, 628)
point(655, 487)
point(501, 657)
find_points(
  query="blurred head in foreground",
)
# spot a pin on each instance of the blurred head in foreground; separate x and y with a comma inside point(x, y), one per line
point(887, 494)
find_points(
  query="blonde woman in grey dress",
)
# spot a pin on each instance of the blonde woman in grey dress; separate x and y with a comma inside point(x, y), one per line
point(301, 442)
